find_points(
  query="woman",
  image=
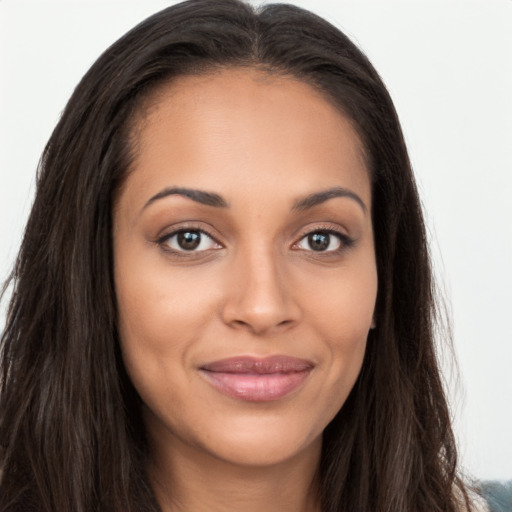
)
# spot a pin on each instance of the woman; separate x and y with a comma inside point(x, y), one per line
point(223, 299)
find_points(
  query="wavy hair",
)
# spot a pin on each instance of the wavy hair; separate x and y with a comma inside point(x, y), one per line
point(71, 436)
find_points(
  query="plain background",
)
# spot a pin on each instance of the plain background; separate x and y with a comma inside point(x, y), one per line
point(448, 66)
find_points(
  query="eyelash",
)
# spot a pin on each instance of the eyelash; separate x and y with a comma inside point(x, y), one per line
point(346, 242)
point(163, 240)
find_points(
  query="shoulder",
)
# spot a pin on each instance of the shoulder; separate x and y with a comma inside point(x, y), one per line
point(476, 502)
point(497, 494)
point(487, 496)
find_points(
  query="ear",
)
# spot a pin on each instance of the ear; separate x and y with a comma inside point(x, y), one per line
point(374, 323)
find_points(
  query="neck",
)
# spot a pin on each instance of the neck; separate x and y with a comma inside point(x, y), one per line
point(185, 480)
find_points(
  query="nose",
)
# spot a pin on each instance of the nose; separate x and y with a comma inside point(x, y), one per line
point(258, 295)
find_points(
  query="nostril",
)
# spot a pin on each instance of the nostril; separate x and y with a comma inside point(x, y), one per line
point(260, 326)
point(240, 323)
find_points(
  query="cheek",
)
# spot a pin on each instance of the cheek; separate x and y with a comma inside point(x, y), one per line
point(161, 314)
point(160, 306)
point(342, 305)
point(341, 313)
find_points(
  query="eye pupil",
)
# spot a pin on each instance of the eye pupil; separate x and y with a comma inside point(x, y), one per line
point(319, 241)
point(189, 240)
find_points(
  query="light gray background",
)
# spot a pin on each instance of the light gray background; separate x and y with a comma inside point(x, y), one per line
point(448, 66)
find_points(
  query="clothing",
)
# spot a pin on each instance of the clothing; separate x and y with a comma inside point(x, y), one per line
point(498, 495)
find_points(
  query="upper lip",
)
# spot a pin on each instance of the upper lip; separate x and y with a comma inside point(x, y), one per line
point(261, 366)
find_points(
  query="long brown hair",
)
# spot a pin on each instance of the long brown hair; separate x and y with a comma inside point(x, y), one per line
point(71, 438)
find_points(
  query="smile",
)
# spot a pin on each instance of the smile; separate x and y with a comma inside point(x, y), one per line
point(257, 380)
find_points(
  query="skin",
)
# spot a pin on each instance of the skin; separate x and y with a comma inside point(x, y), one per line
point(256, 287)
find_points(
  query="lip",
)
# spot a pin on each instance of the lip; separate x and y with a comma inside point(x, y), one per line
point(257, 379)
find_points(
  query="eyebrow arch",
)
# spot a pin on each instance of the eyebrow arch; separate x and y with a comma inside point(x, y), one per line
point(199, 196)
point(217, 201)
point(317, 198)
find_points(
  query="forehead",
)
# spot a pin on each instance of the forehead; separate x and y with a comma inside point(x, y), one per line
point(237, 127)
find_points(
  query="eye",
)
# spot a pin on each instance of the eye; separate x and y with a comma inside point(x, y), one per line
point(323, 241)
point(189, 240)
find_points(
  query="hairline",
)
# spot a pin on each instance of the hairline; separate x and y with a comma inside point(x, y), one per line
point(149, 101)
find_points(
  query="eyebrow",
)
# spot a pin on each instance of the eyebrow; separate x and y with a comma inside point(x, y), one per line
point(317, 198)
point(199, 196)
point(217, 201)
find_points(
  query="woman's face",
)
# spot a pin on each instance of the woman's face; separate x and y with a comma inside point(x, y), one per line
point(244, 266)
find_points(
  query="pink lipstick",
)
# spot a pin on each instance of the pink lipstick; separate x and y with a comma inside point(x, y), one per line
point(255, 379)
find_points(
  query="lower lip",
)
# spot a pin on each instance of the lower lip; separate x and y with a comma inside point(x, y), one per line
point(256, 387)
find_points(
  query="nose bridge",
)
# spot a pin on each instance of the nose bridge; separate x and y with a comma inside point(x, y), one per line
point(258, 298)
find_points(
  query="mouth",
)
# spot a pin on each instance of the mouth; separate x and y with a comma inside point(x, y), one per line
point(257, 380)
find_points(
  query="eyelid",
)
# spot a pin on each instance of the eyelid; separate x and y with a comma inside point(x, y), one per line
point(346, 240)
point(162, 239)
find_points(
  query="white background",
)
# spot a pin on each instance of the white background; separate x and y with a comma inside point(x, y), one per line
point(448, 66)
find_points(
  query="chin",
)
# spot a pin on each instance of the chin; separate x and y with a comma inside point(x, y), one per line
point(262, 440)
point(265, 450)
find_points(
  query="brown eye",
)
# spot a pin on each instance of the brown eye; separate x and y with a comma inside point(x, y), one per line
point(190, 240)
point(321, 241)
